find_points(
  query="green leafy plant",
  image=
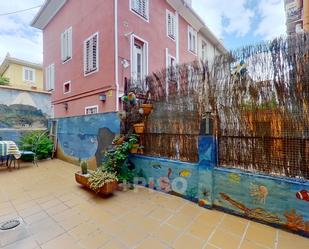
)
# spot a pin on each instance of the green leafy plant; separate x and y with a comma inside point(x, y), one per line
point(116, 161)
point(38, 142)
point(100, 177)
point(84, 167)
point(4, 81)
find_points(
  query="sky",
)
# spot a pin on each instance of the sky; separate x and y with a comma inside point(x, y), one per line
point(236, 22)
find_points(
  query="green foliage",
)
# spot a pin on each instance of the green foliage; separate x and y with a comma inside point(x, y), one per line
point(100, 177)
point(116, 161)
point(4, 81)
point(84, 167)
point(38, 142)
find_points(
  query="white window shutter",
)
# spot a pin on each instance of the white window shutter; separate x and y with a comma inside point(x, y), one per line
point(62, 47)
point(47, 78)
point(52, 78)
point(70, 43)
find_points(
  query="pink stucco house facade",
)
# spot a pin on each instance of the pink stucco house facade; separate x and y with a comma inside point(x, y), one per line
point(90, 47)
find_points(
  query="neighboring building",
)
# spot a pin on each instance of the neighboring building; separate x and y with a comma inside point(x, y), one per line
point(90, 47)
point(297, 16)
point(22, 74)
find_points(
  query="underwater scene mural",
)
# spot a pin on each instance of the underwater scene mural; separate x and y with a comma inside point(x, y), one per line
point(87, 137)
point(273, 200)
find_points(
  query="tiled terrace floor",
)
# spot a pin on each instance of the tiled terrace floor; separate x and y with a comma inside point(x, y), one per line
point(57, 214)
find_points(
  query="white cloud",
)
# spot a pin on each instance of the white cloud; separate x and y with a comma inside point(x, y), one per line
point(236, 17)
point(272, 22)
point(225, 16)
point(16, 35)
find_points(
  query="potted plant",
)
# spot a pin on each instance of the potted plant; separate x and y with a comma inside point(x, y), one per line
point(139, 128)
point(102, 181)
point(147, 108)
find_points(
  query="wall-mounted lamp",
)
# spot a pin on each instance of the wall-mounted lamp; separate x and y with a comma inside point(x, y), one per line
point(66, 105)
point(102, 97)
point(125, 63)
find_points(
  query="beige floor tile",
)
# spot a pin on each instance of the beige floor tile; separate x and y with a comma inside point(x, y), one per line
point(83, 230)
point(36, 217)
point(288, 240)
point(233, 225)
point(210, 246)
point(187, 241)
point(210, 217)
point(28, 243)
point(167, 234)
point(261, 234)
point(161, 213)
point(251, 245)
point(56, 209)
point(180, 221)
point(95, 240)
point(13, 236)
point(200, 229)
point(113, 245)
point(191, 209)
point(225, 240)
point(64, 241)
point(149, 224)
point(151, 243)
point(45, 230)
point(132, 236)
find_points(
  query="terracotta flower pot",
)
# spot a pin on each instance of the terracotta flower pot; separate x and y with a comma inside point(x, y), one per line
point(134, 148)
point(139, 128)
point(119, 141)
point(147, 108)
point(106, 189)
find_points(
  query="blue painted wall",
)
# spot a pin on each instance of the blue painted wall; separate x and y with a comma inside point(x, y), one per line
point(78, 136)
point(267, 199)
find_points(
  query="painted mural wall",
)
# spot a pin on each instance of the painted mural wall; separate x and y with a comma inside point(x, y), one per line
point(22, 111)
point(273, 200)
point(86, 137)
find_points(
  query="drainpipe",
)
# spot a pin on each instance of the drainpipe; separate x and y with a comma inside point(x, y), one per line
point(306, 15)
point(116, 56)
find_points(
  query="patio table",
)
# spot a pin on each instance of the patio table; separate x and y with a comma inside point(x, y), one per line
point(9, 149)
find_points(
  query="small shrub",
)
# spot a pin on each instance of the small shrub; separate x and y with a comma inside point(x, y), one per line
point(4, 81)
point(38, 142)
point(100, 177)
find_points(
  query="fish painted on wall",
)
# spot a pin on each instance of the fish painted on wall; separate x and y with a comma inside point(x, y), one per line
point(169, 173)
point(234, 178)
point(303, 195)
point(164, 184)
point(156, 166)
point(259, 193)
point(185, 173)
point(256, 213)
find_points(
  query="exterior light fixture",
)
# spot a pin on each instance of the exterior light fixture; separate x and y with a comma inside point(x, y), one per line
point(102, 97)
point(66, 105)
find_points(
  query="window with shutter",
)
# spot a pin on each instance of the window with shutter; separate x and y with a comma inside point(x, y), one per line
point(171, 24)
point(66, 45)
point(91, 54)
point(50, 77)
point(192, 40)
point(141, 7)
